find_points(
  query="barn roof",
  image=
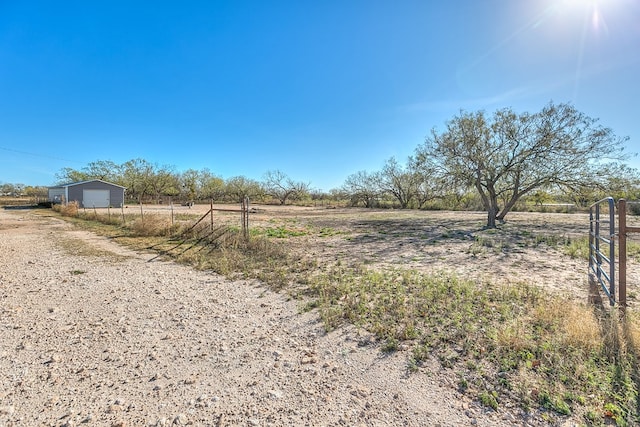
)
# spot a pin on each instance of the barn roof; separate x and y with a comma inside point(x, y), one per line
point(71, 184)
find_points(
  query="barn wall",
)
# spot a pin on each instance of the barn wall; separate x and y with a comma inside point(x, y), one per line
point(57, 194)
point(116, 196)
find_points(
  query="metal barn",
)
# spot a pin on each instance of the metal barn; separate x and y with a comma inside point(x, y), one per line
point(89, 194)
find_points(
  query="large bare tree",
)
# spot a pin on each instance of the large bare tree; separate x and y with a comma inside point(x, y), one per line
point(509, 155)
point(279, 186)
point(401, 182)
point(430, 184)
point(363, 187)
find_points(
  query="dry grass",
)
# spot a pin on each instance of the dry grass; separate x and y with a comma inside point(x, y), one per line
point(581, 327)
point(152, 226)
point(148, 225)
point(69, 209)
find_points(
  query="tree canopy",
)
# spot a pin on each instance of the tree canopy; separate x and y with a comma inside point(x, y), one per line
point(507, 155)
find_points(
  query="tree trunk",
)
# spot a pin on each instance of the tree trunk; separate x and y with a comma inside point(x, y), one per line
point(492, 210)
point(491, 217)
point(507, 208)
point(489, 202)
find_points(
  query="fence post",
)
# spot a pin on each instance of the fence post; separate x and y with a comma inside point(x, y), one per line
point(597, 243)
point(622, 254)
point(211, 210)
point(245, 218)
point(242, 214)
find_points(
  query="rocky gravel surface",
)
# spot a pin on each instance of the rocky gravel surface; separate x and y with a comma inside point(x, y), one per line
point(94, 334)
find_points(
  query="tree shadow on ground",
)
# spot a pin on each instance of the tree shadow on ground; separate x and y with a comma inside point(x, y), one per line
point(384, 238)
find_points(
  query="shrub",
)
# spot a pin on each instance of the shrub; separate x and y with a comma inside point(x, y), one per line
point(634, 208)
point(69, 209)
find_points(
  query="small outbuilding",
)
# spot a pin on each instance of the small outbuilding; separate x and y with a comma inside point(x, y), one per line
point(89, 194)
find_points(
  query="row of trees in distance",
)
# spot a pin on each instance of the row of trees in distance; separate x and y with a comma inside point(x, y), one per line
point(479, 161)
point(149, 182)
point(9, 189)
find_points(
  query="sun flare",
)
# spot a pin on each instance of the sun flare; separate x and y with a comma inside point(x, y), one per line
point(590, 10)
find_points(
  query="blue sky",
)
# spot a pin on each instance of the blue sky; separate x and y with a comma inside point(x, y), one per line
point(316, 89)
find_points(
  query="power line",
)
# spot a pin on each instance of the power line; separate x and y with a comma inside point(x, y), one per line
point(46, 156)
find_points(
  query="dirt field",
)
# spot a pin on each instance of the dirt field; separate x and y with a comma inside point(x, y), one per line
point(95, 334)
point(524, 249)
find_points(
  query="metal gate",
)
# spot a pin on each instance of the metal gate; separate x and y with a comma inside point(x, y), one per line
point(602, 249)
point(603, 235)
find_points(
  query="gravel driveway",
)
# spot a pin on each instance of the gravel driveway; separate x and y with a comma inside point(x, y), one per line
point(94, 334)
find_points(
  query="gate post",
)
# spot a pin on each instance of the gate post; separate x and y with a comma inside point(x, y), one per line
point(622, 254)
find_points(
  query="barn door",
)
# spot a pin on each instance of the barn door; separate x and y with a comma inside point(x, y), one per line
point(95, 198)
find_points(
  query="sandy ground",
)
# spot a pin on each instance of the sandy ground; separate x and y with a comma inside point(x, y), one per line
point(92, 333)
